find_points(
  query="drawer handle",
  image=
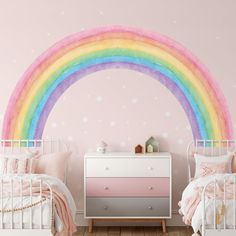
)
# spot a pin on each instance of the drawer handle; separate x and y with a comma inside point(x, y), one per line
point(150, 207)
point(150, 188)
point(106, 168)
point(150, 168)
point(105, 207)
point(106, 188)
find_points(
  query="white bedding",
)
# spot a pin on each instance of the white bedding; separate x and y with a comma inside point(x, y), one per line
point(54, 182)
point(197, 216)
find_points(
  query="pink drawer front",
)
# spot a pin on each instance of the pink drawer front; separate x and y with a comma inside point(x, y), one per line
point(127, 187)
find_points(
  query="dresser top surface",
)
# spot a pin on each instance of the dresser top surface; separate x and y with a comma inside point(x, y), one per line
point(126, 154)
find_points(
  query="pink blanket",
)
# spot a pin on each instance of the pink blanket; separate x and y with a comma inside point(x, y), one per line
point(194, 200)
point(59, 202)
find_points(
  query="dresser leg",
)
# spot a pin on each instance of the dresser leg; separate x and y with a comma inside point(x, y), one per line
point(91, 226)
point(163, 224)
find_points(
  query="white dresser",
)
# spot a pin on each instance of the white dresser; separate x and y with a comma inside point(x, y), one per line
point(127, 186)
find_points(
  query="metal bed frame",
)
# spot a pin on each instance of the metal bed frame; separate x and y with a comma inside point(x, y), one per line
point(17, 147)
point(214, 148)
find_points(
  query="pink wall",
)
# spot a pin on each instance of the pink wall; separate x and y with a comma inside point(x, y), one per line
point(119, 106)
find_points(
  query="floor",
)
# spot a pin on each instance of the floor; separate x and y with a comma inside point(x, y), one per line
point(131, 231)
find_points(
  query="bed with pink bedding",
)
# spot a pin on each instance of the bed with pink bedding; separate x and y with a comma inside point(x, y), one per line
point(34, 199)
point(61, 215)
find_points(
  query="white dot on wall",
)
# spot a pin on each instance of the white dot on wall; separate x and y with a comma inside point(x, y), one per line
point(134, 100)
point(124, 86)
point(217, 37)
point(124, 107)
point(63, 123)
point(85, 119)
point(85, 132)
point(165, 135)
point(123, 144)
point(156, 98)
point(234, 86)
point(129, 138)
point(101, 13)
point(48, 34)
point(62, 13)
point(99, 98)
point(176, 128)
point(180, 141)
point(167, 114)
point(174, 21)
point(54, 125)
point(188, 127)
point(112, 123)
point(99, 121)
point(32, 50)
point(127, 122)
point(70, 138)
point(144, 123)
point(14, 61)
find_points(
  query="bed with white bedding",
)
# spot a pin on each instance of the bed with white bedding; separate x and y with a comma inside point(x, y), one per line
point(208, 202)
point(55, 183)
point(35, 204)
point(195, 213)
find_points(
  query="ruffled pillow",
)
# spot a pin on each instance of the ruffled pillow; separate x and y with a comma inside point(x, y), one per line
point(209, 165)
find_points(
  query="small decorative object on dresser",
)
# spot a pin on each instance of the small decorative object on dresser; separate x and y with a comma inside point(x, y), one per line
point(101, 147)
point(152, 142)
point(119, 187)
point(138, 149)
point(149, 148)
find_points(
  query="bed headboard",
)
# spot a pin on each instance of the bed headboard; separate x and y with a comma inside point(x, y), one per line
point(44, 146)
point(208, 148)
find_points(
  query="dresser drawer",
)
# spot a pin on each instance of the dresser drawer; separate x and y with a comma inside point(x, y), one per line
point(128, 207)
point(128, 167)
point(127, 187)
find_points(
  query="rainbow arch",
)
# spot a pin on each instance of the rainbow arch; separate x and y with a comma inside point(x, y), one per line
point(116, 47)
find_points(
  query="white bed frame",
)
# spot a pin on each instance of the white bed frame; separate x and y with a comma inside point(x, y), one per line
point(210, 148)
point(20, 146)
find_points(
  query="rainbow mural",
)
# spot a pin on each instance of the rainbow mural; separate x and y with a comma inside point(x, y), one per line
point(116, 47)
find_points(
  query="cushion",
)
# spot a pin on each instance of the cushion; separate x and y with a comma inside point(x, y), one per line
point(16, 163)
point(233, 161)
point(3, 165)
point(208, 165)
point(53, 164)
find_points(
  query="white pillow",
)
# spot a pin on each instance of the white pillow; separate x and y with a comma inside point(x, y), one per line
point(212, 162)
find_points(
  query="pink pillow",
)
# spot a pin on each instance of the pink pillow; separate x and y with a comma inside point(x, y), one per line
point(24, 166)
point(209, 168)
point(53, 164)
point(11, 166)
point(3, 165)
point(234, 163)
